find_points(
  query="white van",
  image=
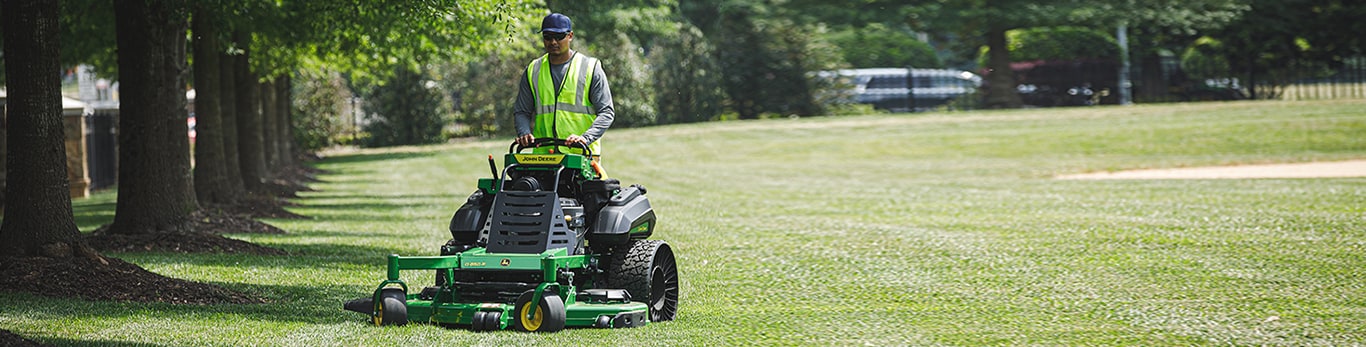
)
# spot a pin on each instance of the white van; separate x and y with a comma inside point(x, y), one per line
point(886, 88)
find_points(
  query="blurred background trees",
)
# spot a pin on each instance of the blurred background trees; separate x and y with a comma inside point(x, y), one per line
point(671, 61)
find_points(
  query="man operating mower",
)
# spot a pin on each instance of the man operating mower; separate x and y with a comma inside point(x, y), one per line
point(564, 95)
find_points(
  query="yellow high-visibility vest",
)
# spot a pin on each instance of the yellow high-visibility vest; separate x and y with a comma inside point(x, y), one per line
point(563, 110)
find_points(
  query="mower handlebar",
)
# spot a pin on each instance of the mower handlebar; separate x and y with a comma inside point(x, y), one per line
point(542, 142)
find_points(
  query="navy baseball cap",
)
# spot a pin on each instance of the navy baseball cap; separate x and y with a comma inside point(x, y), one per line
point(556, 23)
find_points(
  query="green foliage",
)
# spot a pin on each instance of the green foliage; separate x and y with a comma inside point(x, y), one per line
point(663, 69)
point(1276, 41)
point(368, 39)
point(88, 35)
point(404, 110)
point(1057, 44)
point(642, 21)
point(639, 44)
point(989, 20)
point(972, 18)
point(773, 74)
point(878, 45)
point(1061, 43)
point(1203, 59)
point(1172, 16)
point(687, 83)
point(321, 109)
point(484, 90)
point(628, 77)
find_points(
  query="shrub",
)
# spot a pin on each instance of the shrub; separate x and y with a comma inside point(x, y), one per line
point(877, 45)
point(404, 110)
point(1057, 43)
point(321, 109)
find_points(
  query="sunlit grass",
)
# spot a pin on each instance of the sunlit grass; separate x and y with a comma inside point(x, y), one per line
point(924, 229)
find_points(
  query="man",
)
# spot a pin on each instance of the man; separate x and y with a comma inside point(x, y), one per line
point(564, 94)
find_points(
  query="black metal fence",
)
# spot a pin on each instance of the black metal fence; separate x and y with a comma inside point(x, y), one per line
point(1168, 79)
point(1096, 82)
point(101, 147)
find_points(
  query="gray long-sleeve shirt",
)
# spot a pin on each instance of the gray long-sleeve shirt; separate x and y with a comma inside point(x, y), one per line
point(599, 98)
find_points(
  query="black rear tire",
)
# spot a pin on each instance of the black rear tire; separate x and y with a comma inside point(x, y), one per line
point(648, 271)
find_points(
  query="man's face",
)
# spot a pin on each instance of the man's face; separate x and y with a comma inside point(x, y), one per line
point(557, 43)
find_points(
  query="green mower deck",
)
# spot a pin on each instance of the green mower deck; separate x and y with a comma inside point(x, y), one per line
point(441, 306)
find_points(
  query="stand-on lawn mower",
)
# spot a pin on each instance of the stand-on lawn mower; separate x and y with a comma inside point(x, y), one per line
point(545, 245)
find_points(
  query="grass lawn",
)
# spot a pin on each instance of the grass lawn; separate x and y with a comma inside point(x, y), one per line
point(922, 229)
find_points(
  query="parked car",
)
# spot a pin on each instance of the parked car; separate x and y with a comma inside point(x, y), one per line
point(887, 89)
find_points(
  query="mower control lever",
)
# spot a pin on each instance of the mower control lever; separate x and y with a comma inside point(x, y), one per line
point(543, 142)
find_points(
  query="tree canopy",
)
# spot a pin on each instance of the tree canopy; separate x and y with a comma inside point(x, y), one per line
point(990, 20)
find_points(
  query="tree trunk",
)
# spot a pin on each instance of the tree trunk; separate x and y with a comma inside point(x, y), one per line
point(3, 150)
point(210, 164)
point(1152, 83)
point(39, 220)
point(270, 113)
point(156, 192)
point(1001, 92)
point(227, 107)
point(249, 150)
point(283, 134)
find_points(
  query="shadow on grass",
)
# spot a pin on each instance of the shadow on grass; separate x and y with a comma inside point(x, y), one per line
point(301, 256)
point(373, 157)
point(91, 216)
point(95, 210)
point(457, 197)
point(98, 343)
point(367, 234)
point(312, 304)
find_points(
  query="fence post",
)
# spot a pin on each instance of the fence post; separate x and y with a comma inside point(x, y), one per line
point(910, 88)
point(1124, 85)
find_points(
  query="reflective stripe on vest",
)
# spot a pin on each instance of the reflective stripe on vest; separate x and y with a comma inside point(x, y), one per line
point(563, 110)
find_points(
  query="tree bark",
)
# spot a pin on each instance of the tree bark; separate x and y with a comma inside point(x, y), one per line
point(210, 164)
point(284, 134)
point(227, 107)
point(270, 113)
point(1152, 84)
point(249, 148)
point(1001, 92)
point(38, 221)
point(156, 192)
point(3, 154)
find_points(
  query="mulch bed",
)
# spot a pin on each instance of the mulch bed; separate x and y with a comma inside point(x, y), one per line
point(204, 229)
point(176, 242)
point(10, 339)
point(108, 279)
point(223, 220)
point(261, 206)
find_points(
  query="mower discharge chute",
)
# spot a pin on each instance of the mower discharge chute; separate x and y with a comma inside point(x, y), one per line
point(546, 244)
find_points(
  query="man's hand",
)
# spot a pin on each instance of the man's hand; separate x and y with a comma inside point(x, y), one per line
point(526, 140)
point(576, 139)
